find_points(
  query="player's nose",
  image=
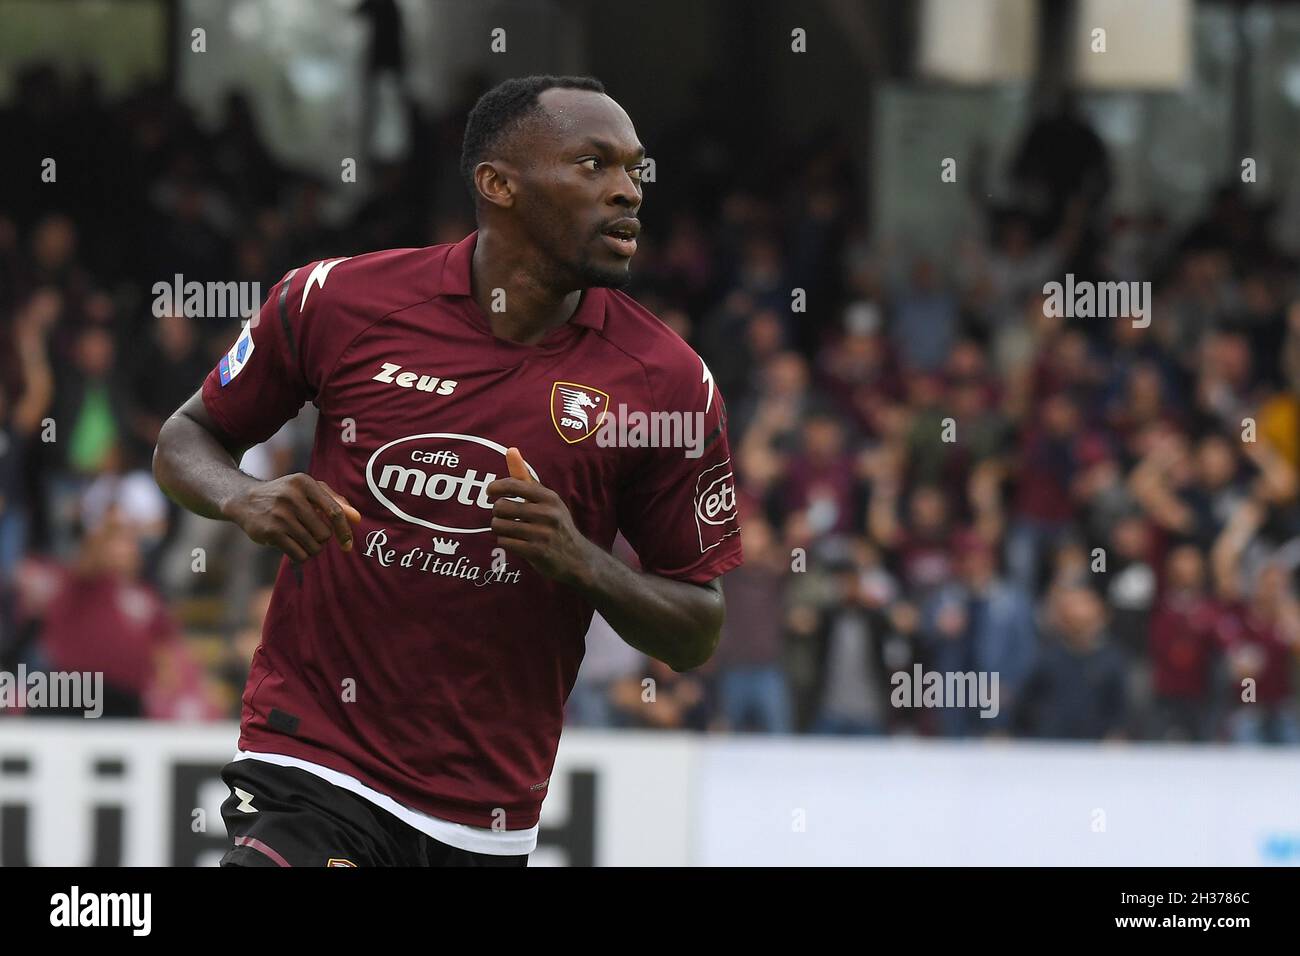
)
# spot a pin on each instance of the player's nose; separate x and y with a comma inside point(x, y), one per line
point(626, 194)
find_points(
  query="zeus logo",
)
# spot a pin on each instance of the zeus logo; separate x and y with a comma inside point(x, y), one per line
point(317, 278)
point(715, 505)
point(393, 375)
point(708, 378)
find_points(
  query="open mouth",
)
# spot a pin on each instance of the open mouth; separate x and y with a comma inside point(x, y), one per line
point(621, 236)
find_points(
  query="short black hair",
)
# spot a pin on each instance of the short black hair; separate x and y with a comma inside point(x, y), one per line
point(502, 108)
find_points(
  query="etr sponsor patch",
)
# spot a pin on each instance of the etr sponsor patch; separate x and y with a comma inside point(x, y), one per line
point(715, 505)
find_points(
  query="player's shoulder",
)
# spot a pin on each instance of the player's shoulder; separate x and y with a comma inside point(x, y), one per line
point(669, 361)
point(378, 282)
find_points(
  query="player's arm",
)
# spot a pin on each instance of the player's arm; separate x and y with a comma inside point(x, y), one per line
point(196, 464)
point(676, 622)
point(260, 384)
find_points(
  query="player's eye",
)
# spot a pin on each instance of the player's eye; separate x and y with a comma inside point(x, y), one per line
point(638, 170)
point(593, 160)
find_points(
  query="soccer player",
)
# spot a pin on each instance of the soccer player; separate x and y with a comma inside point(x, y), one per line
point(473, 462)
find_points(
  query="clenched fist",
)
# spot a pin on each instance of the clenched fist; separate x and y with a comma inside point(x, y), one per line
point(539, 528)
point(295, 514)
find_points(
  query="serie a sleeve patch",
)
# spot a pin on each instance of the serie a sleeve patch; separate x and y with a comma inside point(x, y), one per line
point(234, 361)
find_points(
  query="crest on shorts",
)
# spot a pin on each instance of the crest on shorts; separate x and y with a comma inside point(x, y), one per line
point(334, 861)
point(577, 410)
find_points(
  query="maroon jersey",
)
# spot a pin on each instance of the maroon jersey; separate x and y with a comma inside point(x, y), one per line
point(426, 662)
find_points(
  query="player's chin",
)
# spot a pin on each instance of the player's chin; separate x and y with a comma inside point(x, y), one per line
point(613, 276)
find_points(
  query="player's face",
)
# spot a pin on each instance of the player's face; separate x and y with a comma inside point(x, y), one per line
point(580, 197)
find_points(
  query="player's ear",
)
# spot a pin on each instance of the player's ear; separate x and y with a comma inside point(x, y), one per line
point(495, 183)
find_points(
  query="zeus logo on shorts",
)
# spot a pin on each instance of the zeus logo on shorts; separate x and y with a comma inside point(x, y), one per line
point(715, 505)
point(233, 362)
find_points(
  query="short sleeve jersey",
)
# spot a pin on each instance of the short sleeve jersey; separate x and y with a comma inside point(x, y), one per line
point(426, 662)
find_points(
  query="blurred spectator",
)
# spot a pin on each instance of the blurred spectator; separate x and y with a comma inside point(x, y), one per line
point(1077, 689)
point(820, 481)
point(127, 492)
point(981, 624)
point(925, 318)
point(1061, 161)
point(26, 393)
point(663, 699)
point(132, 631)
point(752, 689)
point(1260, 637)
point(922, 543)
point(166, 372)
point(1130, 582)
point(1259, 630)
point(1050, 457)
point(1183, 649)
point(91, 417)
point(860, 372)
point(848, 610)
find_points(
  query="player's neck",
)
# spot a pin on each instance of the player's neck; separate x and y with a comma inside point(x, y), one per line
point(517, 306)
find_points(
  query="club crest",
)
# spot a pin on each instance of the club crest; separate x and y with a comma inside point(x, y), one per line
point(577, 410)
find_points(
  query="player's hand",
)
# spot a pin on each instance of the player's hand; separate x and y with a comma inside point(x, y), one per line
point(295, 514)
point(539, 528)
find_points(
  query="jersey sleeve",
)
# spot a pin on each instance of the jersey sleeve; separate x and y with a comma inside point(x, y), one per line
point(259, 384)
point(678, 507)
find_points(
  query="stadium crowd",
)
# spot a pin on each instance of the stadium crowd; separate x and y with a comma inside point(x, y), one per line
point(934, 469)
